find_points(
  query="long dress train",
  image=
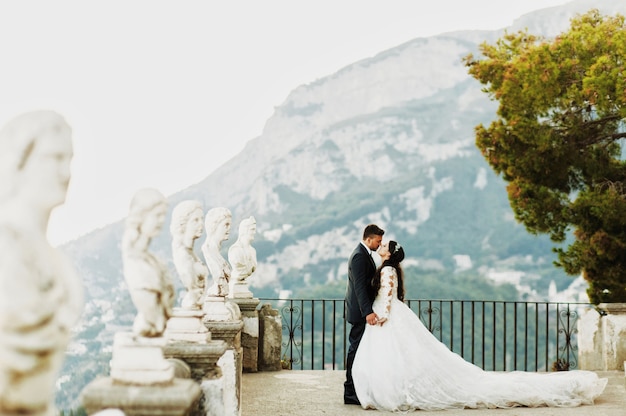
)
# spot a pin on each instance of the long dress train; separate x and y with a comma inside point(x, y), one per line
point(401, 366)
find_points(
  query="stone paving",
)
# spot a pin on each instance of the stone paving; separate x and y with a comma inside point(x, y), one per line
point(319, 392)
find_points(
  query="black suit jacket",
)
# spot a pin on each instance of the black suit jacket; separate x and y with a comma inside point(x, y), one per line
point(359, 292)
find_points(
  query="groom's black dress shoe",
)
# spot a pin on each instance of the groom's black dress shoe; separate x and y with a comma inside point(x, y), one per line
point(351, 400)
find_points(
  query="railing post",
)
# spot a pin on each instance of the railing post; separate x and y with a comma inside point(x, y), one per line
point(602, 344)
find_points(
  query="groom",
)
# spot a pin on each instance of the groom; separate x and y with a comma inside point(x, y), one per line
point(359, 299)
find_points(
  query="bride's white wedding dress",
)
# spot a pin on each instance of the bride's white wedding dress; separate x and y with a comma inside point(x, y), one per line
point(401, 366)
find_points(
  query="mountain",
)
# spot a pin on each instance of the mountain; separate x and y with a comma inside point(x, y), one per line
point(388, 139)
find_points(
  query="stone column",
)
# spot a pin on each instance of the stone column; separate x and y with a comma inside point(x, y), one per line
point(602, 338)
point(229, 331)
point(249, 332)
point(614, 335)
point(270, 339)
point(191, 342)
point(202, 359)
point(590, 340)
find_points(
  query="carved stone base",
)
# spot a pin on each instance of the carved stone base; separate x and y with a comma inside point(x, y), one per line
point(217, 308)
point(187, 325)
point(200, 357)
point(139, 361)
point(179, 398)
point(228, 331)
point(240, 290)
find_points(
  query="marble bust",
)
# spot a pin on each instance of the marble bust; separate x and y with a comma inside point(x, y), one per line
point(187, 225)
point(242, 258)
point(150, 286)
point(217, 225)
point(41, 295)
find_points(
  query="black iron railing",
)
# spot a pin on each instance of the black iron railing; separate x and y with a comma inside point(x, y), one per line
point(495, 335)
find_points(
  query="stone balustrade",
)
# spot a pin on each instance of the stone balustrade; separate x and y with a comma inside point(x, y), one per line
point(214, 364)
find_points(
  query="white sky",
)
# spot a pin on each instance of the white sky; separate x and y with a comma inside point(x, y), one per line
point(161, 93)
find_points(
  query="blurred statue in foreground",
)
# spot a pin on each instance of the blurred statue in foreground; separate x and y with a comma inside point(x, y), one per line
point(41, 296)
point(186, 226)
point(149, 283)
point(217, 224)
point(242, 258)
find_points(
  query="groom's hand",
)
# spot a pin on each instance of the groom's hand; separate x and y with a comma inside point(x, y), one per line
point(372, 318)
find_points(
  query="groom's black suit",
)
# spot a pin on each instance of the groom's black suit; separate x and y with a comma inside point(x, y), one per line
point(359, 299)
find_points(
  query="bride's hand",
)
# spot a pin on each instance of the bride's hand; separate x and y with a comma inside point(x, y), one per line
point(381, 321)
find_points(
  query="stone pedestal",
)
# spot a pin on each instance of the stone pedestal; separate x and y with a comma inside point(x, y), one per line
point(230, 362)
point(139, 360)
point(614, 335)
point(187, 325)
point(249, 332)
point(270, 339)
point(202, 360)
point(216, 308)
point(590, 343)
point(200, 357)
point(178, 398)
point(602, 338)
point(240, 290)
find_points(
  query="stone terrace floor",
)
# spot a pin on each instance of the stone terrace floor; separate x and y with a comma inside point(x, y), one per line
point(320, 392)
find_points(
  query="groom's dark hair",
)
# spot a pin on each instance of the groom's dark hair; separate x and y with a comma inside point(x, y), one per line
point(372, 229)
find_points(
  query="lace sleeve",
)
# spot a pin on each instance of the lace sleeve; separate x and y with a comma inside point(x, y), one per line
point(385, 292)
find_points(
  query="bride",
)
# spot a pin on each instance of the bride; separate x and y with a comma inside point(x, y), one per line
point(401, 366)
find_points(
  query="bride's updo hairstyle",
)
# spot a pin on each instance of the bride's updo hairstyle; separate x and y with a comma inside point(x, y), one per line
point(397, 252)
point(397, 255)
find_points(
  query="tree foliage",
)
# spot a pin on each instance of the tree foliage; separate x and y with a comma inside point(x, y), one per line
point(557, 141)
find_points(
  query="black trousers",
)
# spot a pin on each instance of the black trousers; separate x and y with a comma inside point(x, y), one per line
point(356, 333)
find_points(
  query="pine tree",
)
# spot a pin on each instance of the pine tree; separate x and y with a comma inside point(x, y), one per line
point(557, 141)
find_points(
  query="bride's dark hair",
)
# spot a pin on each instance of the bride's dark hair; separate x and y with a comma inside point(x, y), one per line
point(397, 255)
